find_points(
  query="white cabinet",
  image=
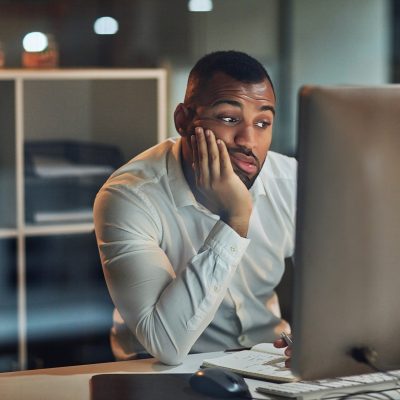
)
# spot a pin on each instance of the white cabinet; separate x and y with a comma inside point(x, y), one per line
point(61, 133)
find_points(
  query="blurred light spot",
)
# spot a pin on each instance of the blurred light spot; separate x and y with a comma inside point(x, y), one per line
point(35, 42)
point(200, 5)
point(105, 26)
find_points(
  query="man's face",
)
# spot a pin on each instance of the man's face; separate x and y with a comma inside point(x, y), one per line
point(241, 115)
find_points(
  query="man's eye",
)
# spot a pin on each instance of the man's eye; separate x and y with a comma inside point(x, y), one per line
point(263, 124)
point(230, 120)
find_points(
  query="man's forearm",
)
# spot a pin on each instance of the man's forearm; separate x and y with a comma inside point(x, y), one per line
point(168, 313)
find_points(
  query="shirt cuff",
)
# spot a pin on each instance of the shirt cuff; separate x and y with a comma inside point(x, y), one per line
point(226, 242)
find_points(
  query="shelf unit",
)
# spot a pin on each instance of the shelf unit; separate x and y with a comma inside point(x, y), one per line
point(120, 107)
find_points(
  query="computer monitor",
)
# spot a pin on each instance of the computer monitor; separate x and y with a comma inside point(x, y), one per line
point(347, 257)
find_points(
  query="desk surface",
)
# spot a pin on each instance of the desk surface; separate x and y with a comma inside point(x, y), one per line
point(72, 383)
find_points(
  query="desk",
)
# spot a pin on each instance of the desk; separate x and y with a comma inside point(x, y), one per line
point(72, 383)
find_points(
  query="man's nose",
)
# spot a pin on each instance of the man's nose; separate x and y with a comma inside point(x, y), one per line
point(246, 136)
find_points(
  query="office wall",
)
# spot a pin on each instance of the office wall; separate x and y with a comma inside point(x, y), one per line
point(334, 42)
point(250, 25)
point(299, 41)
point(246, 25)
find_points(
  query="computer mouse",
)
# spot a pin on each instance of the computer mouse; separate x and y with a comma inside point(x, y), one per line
point(218, 382)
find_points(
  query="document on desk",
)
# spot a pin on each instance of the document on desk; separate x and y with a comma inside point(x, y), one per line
point(262, 361)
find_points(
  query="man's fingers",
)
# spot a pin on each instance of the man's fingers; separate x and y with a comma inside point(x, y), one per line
point(280, 343)
point(202, 158)
point(195, 157)
point(213, 155)
point(225, 161)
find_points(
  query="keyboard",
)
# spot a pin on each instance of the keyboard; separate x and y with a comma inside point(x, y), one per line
point(332, 388)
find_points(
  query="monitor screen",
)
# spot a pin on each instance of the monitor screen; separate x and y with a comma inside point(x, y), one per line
point(347, 257)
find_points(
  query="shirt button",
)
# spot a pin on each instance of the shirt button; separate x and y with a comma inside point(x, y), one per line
point(242, 339)
point(233, 249)
point(217, 288)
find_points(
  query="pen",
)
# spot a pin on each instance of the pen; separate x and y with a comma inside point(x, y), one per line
point(238, 349)
point(287, 338)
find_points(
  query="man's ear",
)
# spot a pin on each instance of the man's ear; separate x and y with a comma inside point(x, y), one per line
point(182, 119)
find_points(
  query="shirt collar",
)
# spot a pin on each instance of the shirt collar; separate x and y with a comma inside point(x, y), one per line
point(258, 188)
point(180, 189)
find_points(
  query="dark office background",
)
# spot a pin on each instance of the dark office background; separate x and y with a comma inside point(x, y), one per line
point(299, 41)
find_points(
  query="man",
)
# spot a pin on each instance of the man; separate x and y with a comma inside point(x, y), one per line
point(193, 232)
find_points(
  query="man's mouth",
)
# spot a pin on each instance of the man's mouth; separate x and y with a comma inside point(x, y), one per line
point(245, 163)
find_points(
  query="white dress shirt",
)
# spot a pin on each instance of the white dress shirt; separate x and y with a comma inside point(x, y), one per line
point(182, 280)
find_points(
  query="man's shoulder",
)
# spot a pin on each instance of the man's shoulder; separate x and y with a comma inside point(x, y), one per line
point(149, 166)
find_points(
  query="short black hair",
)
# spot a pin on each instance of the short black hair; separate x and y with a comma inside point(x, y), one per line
point(236, 64)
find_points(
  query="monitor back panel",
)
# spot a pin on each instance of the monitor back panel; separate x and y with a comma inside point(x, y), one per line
point(347, 259)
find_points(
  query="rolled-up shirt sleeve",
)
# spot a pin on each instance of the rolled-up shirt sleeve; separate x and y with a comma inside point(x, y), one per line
point(166, 311)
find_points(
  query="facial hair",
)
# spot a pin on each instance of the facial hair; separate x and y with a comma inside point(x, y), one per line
point(248, 182)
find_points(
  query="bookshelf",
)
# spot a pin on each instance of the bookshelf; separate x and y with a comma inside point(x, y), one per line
point(49, 269)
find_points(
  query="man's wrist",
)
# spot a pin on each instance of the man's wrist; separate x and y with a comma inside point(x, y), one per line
point(239, 224)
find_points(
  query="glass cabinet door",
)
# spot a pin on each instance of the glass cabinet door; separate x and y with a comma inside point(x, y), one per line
point(7, 157)
point(8, 232)
point(8, 306)
point(69, 311)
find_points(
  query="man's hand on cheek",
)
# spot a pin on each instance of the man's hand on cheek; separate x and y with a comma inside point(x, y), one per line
point(221, 189)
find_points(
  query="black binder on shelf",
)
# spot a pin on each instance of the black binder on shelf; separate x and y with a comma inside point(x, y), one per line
point(62, 178)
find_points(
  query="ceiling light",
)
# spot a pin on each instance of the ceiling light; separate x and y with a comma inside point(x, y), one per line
point(200, 5)
point(105, 26)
